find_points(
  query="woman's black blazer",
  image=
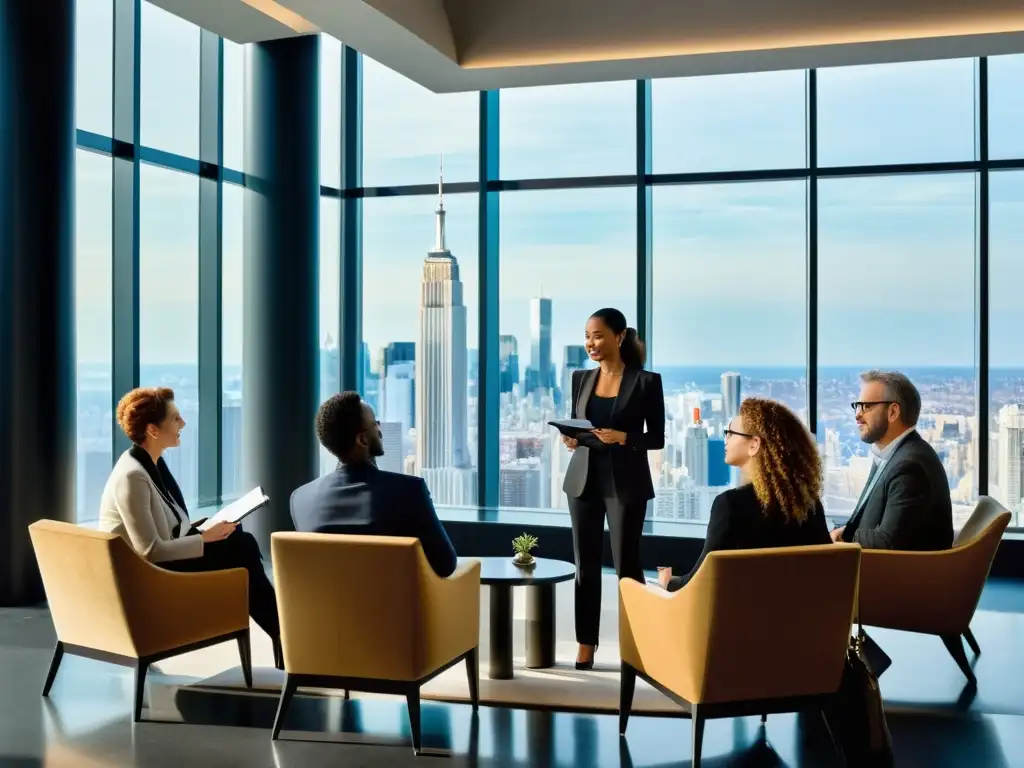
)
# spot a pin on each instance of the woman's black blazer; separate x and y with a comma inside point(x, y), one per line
point(639, 411)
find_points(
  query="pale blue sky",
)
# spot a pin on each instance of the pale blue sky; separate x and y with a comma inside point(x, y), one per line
point(896, 258)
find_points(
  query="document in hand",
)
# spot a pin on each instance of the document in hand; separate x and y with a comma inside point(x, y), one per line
point(238, 509)
point(572, 427)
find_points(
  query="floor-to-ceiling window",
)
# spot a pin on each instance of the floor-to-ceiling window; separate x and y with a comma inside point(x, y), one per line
point(418, 354)
point(777, 263)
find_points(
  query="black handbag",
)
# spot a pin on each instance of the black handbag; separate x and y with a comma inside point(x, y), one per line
point(858, 718)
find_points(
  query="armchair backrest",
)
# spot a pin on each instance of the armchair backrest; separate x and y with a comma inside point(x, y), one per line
point(349, 605)
point(82, 572)
point(779, 620)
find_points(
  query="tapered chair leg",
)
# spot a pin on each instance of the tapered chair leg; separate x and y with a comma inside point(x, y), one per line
point(141, 667)
point(627, 685)
point(412, 699)
point(245, 654)
point(473, 673)
point(287, 692)
point(969, 637)
point(51, 675)
point(764, 718)
point(697, 734)
point(954, 644)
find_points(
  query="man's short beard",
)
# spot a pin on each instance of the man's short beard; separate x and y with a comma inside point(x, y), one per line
point(874, 434)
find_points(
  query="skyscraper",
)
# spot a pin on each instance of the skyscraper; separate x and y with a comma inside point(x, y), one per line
point(576, 357)
point(398, 398)
point(398, 352)
point(391, 438)
point(441, 373)
point(730, 394)
point(540, 346)
point(508, 351)
point(1011, 449)
point(697, 451)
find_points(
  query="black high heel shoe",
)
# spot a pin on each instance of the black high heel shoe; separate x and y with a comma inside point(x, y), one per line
point(586, 666)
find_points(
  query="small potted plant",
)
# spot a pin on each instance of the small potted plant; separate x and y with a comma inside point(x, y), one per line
point(522, 545)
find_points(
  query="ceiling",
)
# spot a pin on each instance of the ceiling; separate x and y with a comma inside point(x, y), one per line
point(464, 45)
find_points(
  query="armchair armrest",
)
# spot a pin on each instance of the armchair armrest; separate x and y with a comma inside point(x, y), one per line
point(451, 614)
point(665, 634)
point(166, 609)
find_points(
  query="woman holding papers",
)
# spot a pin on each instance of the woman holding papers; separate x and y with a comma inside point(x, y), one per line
point(143, 504)
point(609, 475)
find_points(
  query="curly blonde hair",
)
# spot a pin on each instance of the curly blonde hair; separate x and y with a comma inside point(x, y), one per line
point(786, 472)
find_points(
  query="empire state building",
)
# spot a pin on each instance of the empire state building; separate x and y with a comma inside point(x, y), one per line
point(442, 457)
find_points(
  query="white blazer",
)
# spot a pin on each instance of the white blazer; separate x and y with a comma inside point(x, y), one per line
point(133, 507)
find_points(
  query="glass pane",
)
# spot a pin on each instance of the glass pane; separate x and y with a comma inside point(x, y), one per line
point(568, 130)
point(730, 122)
point(896, 113)
point(169, 305)
point(896, 268)
point(232, 238)
point(1006, 317)
point(419, 338)
point(93, 318)
point(562, 258)
point(170, 82)
point(94, 65)
point(330, 111)
point(729, 322)
point(1006, 107)
point(406, 128)
point(330, 308)
point(234, 104)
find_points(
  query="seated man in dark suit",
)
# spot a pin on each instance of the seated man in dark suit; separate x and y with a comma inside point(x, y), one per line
point(358, 498)
point(905, 503)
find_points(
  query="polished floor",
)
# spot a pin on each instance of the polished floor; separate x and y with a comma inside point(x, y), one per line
point(935, 722)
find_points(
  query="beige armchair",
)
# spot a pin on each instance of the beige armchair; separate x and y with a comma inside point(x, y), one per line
point(935, 593)
point(109, 604)
point(368, 613)
point(753, 632)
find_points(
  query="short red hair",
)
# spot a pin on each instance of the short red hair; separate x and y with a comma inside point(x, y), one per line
point(140, 408)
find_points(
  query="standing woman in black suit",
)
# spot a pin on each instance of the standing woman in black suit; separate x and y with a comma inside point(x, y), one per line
point(609, 474)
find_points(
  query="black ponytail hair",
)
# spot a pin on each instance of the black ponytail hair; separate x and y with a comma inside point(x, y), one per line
point(632, 350)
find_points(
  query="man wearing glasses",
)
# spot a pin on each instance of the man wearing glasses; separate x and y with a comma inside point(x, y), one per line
point(905, 502)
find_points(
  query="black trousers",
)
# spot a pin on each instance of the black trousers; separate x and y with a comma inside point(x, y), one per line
point(239, 550)
point(626, 526)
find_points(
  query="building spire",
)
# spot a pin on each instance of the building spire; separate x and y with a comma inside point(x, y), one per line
point(439, 243)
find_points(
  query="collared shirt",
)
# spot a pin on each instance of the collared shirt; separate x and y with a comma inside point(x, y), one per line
point(879, 458)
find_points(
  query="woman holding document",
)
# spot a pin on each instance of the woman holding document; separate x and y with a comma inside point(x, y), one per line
point(142, 503)
point(609, 474)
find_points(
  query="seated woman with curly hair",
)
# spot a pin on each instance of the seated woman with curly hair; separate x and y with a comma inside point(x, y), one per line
point(142, 503)
point(780, 505)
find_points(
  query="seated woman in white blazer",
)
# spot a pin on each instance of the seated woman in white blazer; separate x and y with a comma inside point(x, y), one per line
point(142, 503)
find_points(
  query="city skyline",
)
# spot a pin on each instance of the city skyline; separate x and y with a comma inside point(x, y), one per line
point(896, 254)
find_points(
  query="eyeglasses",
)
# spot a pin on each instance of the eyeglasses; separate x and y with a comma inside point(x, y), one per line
point(730, 432)
point(861, 406)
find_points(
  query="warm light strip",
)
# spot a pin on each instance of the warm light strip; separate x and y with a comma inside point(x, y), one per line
point(285, 16)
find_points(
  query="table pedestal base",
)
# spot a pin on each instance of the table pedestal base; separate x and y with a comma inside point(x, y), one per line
point(500, 660)
point(540, 626)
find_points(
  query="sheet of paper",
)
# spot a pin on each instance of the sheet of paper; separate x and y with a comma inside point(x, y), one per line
point(237, 509)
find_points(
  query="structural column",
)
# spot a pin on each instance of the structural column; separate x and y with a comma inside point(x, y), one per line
point(282, 204)
point(37, 313)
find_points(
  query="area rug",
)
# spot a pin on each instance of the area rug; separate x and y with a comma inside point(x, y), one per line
point(561, 687)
